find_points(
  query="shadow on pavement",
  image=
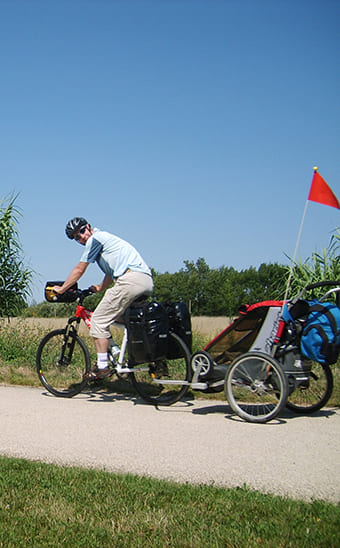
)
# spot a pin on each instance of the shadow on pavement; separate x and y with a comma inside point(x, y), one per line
point(286, 415)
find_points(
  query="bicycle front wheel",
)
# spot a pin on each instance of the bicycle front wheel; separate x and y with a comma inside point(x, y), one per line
point(256, 387)
point(61, 363)
point(164, 382)
point(312, 394)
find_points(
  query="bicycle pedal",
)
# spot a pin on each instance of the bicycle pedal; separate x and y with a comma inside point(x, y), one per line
point(92, 376)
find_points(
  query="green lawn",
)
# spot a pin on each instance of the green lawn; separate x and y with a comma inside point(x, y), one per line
point(45, 505)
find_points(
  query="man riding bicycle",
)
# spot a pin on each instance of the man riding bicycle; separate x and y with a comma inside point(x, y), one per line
point(122, 264)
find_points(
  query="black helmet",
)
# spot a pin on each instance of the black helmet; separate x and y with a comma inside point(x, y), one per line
point(74, 225)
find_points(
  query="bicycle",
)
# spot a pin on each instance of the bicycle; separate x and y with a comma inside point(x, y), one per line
point(63, 358)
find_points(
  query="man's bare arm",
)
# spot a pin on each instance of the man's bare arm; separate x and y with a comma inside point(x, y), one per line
point(72, 278)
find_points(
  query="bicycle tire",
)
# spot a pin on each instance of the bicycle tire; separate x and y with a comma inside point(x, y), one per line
point(256, 387)
point(164, 382)
point(315, 393)
point(62, 380)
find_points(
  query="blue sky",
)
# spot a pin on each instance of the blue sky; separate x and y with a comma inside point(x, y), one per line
point(189, 128)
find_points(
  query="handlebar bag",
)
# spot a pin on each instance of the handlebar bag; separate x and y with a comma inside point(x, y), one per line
point(320, 338)
point(68, 297)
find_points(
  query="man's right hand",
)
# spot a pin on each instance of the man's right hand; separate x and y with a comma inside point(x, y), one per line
point(57, 290)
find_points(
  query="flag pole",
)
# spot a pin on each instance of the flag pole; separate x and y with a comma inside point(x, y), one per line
point(296, 247)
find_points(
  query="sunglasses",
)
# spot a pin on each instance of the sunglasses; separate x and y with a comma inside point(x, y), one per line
point(80, 233)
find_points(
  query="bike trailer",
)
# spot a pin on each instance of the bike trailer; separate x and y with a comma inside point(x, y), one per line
point(253, 330)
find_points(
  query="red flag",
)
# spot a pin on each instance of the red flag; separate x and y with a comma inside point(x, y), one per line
point(320, 192)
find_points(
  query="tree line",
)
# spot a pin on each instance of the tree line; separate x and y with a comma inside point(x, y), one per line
point(219, 291)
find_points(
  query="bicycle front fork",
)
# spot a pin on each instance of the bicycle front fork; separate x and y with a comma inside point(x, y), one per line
point(67, 346)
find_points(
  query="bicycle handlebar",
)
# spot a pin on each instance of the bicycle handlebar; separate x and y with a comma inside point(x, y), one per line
point(83, 293)
point(326, 283)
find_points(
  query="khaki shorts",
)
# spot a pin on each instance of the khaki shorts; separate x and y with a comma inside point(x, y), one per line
point(111, 308)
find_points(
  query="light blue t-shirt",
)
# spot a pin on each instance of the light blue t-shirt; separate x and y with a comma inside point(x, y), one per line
point(112, 254)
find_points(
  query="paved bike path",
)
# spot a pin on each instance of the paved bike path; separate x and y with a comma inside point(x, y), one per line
point(194, 441)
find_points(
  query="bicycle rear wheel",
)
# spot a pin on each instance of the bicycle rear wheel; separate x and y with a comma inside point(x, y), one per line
point(256, 387)
point(62, 362)
point(313, 394)
point(164, 382)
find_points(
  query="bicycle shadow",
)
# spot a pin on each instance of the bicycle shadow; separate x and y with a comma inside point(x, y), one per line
point(106, 391)
point(110, 390)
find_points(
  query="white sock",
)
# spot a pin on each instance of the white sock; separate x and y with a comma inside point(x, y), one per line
point(101, 360)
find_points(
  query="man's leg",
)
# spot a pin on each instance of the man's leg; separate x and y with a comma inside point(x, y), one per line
point(113, 305)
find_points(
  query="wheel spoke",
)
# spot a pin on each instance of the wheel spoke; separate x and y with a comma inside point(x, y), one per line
point(256, 387)
point(61, 372)
point(312, 394)
point(164, 382)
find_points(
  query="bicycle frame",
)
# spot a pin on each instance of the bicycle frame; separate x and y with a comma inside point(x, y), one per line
point(85, 314)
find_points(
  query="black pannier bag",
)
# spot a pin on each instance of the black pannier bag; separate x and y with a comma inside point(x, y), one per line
point(70, 296)
point(148, 327)
point(180, 323)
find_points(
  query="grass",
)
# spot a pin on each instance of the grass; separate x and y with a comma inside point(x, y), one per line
point(45, 505)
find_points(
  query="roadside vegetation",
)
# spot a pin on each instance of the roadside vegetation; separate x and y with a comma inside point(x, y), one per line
point(46, 505)
point(15, 276)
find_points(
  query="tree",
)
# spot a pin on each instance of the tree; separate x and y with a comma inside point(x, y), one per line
point(15, 277)
point(187, 285)
point(197, 277)
point(272, 279)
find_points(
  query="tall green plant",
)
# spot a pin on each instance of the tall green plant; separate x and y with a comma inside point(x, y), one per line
point(324, 266)
point(15, 277)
